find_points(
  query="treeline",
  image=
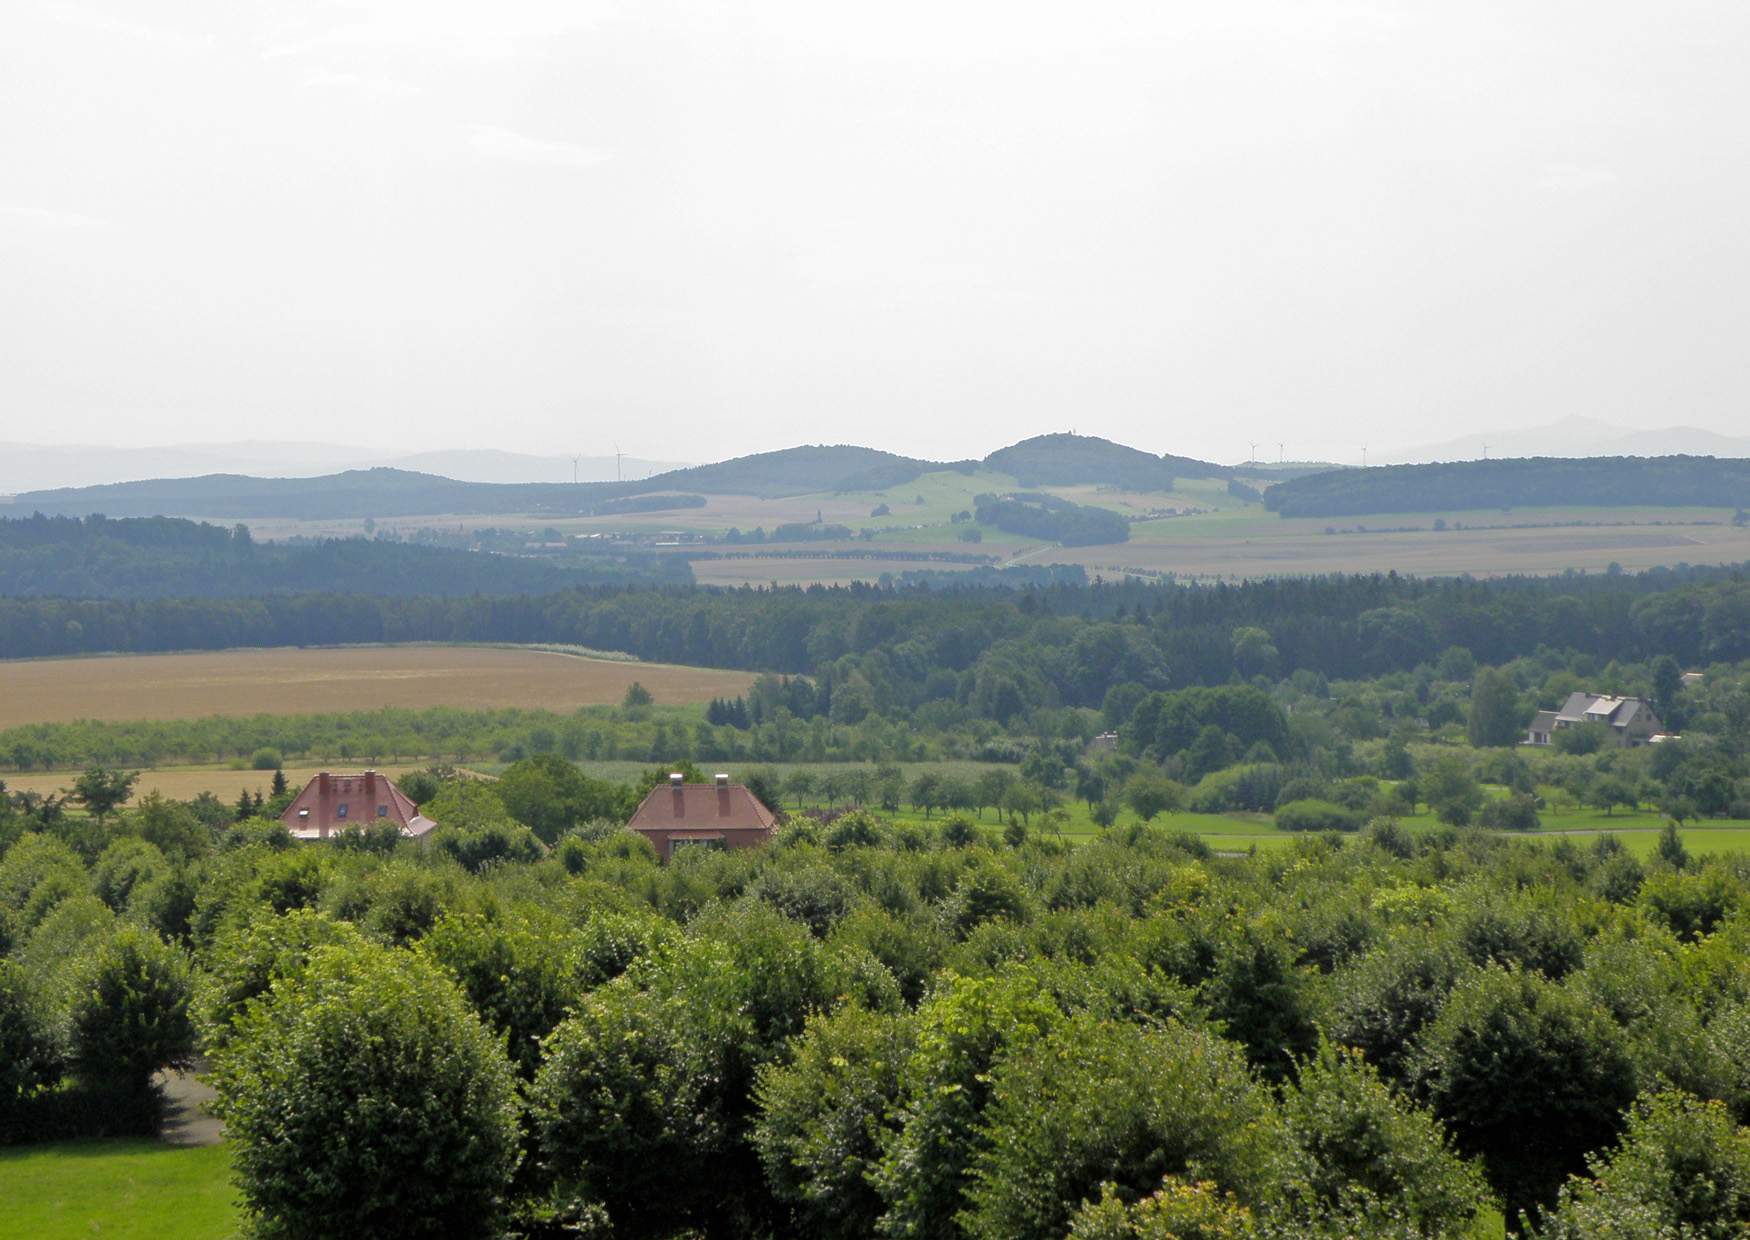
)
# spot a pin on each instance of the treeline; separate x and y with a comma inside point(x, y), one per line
point(1039, 515)
point(876, 1028)
point(1585, 482)
point(999, 651)
point(166, 557)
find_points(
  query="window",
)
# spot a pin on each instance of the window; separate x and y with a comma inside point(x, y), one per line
point(382, 811)
point(341, 812)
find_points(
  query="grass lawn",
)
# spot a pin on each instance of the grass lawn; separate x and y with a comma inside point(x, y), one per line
point(132, 1188)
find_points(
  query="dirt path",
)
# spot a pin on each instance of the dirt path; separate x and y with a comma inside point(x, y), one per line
point(186, 1118)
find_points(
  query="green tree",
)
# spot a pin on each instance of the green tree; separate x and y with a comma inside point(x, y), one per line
point(823, 1119)
point(1151, 793)
point(1681, 1169)
point(1373, 1157)
point(1496, 715)
point(963, 1030)
point(103, 791)
point(1451, 791)
point(516, 974)
point(29, 1059)
point(129, 1017)
point(366, 1099)
point(1528, 1076)
point(637, 697)
point(1098, 1102)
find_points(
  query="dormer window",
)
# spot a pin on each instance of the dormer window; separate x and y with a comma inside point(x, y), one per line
point(382, 811)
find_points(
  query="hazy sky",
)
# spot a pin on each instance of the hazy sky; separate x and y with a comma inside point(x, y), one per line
point(936, 226)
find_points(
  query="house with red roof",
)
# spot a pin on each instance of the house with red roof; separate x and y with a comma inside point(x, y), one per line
point(331, 802)
point(679, 815)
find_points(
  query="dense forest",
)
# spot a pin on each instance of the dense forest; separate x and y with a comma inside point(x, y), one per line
point(1065, 642)
point(1586, 482)
point(165, 557)
point(1038, 515)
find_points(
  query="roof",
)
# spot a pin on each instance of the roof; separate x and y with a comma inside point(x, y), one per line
point(696, 807)
point(1594, 708)
point(335, 800)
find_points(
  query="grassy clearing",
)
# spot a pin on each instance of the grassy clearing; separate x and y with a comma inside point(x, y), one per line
point(296, 680)
point(117, 1190)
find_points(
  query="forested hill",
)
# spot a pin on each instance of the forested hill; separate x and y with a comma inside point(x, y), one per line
point(355, 493)
point(797, 471)
point(1071, 460)
point(398, 492)
point(806, 470)
point(1609, 481)
point(163, 557)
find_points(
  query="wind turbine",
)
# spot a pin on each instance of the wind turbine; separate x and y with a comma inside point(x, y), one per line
point(1485, 452)
point(1279, 448)
point(574, 463)
point(1253, 459)
point(618, 457)
point(1363, 456)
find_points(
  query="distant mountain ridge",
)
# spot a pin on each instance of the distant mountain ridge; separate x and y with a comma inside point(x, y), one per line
point(1579, 482)
point(1574, 437)
point(30, 467)
point(806, 470)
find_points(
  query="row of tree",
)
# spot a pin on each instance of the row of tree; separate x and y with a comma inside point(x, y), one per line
point(872, 1028)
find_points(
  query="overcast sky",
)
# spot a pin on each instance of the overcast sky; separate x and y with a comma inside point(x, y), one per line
point(701, 227)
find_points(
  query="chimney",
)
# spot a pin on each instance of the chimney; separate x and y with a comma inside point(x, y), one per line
point(678, 782)
point(722, 795)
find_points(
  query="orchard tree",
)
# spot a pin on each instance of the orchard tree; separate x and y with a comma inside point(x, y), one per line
point(103, 791)
point(366, 1099)
point(128, 1018)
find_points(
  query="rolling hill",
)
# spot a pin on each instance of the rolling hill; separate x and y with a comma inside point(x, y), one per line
point(1074, 460)
point(1592, 482)
point(166, 557)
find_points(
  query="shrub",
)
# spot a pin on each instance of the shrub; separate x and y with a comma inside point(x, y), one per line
point(1178, 1210)
point(507, 843)
point(822, 1119)
point(1381, 1002)
point(1253, 786)
point(963, 1031)
point(129, 1018)
point(628, 1110)
point(1371, 1155)
point(266, 760)
point(366, 1099)
point(1316, 816)
point(1517, 812)
point(29, 1061)
point(246, 960)
point(517, 977)
point(1096, 1102)
point(1527, 1075)
point(1681, 1169)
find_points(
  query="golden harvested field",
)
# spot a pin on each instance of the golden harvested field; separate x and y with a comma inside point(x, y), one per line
point(184, 783)
point(294, 681)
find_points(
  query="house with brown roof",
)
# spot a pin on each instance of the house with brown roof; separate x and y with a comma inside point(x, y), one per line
point(330, 803)
point(719, 814)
